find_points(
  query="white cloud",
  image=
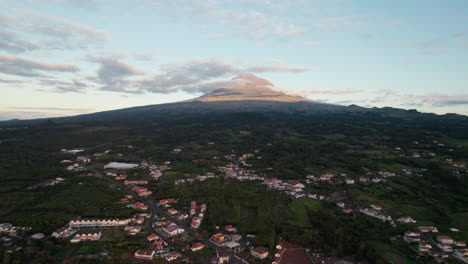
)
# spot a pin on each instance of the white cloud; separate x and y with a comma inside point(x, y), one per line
point(13, 65)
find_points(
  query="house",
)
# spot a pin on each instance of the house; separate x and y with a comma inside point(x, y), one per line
point(167, 201)
point(445, 247)
point(193, 207)
point(133, 230)
point(86, 237)
point(152, 237)
point(230, 228)
point(363, 179)
point(376, 207)
point(217, 238)
point(426, 229)
point(173, 229)
point(141, 206)
point(424, 247)
point(347, 210)
point(411, 236)
point(144, 254)
point(296, 184)
point(120, 166)
point(326, 176)
point(341, 204)
point(349, 181)
point(259, 253)
point(82, 222)
point(38, 236)
point(196, 221)
point(406, 220)
point(197, 246)
point(445, 239)
point(139, 220)
point(172, 256)
point(172, 211)
point(141, 182)
point(223, 257)
point(459, 243)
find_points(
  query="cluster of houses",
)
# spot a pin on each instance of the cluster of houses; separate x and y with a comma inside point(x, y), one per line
point(141, 191)
point(149, 254)
point(440, 247)
point(376, 211)
point(94, 236)
point(196, 219)
point(291, 187)
point(10, 229)
point(227, 241)
point(86, 223)
point(77, 164)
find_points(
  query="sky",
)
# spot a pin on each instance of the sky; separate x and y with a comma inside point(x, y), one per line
point(68, 57)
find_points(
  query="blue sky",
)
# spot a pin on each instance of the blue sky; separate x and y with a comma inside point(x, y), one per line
point(66, 57)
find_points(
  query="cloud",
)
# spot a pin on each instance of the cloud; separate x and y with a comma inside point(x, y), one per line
point(112, 73)
point(236, 19)
point(312, 43)
point(48, 108)
point(59, 86)
point(10, 81)
point(70, 3)
point(431, 51)
point(143, 56)
point(388, 92)
point(12, 43)
point(440, 100)
point(339, 22)
point(334, 91)
point(192, 76)
point(18, 66)
point(32, 30)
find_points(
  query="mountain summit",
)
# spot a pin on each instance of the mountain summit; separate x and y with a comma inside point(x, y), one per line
point(248, 87)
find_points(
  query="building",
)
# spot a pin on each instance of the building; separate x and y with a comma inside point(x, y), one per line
point(86, 237)
point(152, 237)
point(196, 221)
point(223, 257)
point(411, 237)
point(459, 243)
point(445, 240)
point(193, 208)
point(38, 236)
point(426, 229)
point(120, 166)
point(98, 222)
point(259, 253)
point(424, 247)
point(230, 228)
point(445, 247)
point(406, 220)
point(144, 254)
point(172, 256)
point(197, 246)
point(173, 230)
point(167, 201)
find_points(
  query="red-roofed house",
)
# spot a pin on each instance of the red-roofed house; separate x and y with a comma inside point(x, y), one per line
point(197, 246)
point(259, 253)
point(445, 239)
